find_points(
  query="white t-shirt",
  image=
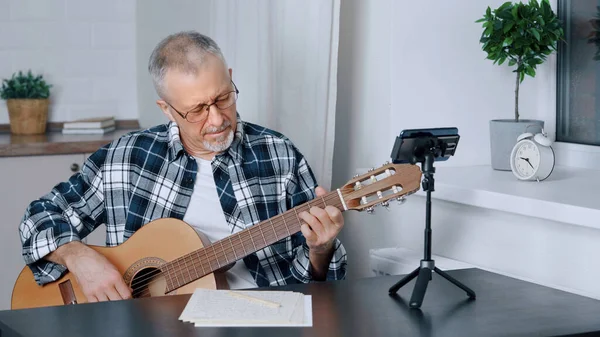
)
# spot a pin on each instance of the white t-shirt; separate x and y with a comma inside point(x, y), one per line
point(205, 214)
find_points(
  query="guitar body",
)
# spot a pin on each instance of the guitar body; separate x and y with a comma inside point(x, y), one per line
point(137, 258)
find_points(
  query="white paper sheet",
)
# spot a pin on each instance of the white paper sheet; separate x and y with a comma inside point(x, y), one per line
point(247, 308)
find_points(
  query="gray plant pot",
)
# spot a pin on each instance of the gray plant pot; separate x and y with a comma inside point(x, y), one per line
point(503, 137)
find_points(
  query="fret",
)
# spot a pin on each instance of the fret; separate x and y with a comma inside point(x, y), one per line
point(195, 270)
point(324, 203)
point(215, 254)
point(242, 243)
point(263, 235)
point(273, 226)
point(167, 277)
point(202, 263)
point(238, 235)
point(225, 254)
point(177, 278)
point(189, 267)
point(186, 268)
point(252, 239)
point(286, 226)
point(297, 217)
point(164, 268)
point(233, 248)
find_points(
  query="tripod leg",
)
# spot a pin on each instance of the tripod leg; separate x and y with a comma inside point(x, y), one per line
point(403, 281)
point(469, 292)
point(420, 288)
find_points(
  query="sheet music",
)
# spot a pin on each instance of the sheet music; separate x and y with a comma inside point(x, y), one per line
point(247, 308)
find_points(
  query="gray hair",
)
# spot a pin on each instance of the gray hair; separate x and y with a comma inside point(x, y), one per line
point(183, 51)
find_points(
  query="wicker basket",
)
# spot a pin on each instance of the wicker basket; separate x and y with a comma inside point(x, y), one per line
point(27, 116)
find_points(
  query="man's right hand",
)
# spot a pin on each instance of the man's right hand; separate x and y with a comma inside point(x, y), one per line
point(98, 278)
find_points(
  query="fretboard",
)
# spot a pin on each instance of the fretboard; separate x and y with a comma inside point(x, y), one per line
point(204, 261)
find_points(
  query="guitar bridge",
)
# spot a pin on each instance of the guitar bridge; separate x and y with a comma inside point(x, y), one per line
point(67, 293)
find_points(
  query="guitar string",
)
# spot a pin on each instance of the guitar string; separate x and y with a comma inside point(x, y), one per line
point(278, 222)
point(200, 259)
point(194, 256)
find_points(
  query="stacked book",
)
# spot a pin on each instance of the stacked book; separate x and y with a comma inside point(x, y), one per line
point(96, 126)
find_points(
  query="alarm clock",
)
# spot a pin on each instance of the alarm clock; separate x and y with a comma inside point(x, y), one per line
point(532, 157)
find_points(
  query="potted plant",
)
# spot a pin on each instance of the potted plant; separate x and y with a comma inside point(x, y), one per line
point(523, 34)
point(27, 99)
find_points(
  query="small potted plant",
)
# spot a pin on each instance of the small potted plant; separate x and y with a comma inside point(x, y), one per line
point(523, 34)
point(27, 99)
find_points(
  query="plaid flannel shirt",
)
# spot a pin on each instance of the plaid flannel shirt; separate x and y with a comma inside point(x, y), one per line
point(147, 175)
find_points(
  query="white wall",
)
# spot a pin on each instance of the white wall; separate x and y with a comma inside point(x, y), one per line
point(545, 252)
point(428, 70)
point(441, 77)
point(284, 69)
point(84, 48)
point(155, 19)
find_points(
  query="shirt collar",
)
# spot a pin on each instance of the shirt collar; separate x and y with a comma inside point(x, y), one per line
point(235, 150)
point(175, 145)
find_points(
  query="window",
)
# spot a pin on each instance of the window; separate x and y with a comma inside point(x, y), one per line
point(578, 73)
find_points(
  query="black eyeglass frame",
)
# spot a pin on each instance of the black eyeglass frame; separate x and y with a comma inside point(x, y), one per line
point(207, 106)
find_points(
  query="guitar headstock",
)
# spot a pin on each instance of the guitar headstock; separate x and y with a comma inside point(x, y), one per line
point(379, 185)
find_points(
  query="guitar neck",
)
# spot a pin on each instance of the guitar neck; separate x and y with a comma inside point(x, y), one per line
point(204, 261)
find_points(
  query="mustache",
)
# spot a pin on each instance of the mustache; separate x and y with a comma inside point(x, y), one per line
point(217, 129)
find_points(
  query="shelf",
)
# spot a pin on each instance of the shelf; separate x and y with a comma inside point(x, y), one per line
point(54, 142)
point(569, 195)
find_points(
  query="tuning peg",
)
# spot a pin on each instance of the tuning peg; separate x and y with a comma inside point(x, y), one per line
point(386, 163)
point(370, 210)
point(401, 200)
point(385, 204)
point(356, 176)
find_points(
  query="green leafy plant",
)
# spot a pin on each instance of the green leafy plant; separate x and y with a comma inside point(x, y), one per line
point(22, 85)
point(523, 34)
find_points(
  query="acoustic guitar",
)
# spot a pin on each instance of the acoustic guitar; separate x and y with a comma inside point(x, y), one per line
point(167, 256)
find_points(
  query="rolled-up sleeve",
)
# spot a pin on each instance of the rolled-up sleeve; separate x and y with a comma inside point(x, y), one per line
point(69, 212)
point(302, 189)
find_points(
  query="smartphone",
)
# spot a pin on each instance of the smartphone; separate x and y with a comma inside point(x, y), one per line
point(409, 144)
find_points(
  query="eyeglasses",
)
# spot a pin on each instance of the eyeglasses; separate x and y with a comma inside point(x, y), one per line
point(200, 112)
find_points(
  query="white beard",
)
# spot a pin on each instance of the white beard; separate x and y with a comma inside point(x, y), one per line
point(221, 144)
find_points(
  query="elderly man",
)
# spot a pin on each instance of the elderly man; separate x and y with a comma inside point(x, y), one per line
point(206, 167)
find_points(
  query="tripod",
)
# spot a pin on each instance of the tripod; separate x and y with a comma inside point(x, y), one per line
point(424, 271)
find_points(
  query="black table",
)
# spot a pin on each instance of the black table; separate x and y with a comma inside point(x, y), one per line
point(504, 306)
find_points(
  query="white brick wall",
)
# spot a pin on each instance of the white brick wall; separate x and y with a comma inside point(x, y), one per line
point(84, 48)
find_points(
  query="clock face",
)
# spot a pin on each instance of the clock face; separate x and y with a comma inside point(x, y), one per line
point(526, 159)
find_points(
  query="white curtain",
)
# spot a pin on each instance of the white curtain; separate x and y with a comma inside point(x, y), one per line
point(284, 60)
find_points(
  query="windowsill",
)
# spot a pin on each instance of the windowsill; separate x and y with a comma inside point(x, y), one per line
point(569, 195)
point(577, 155)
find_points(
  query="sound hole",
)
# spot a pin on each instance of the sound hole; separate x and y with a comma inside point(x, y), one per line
point(148, 282)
